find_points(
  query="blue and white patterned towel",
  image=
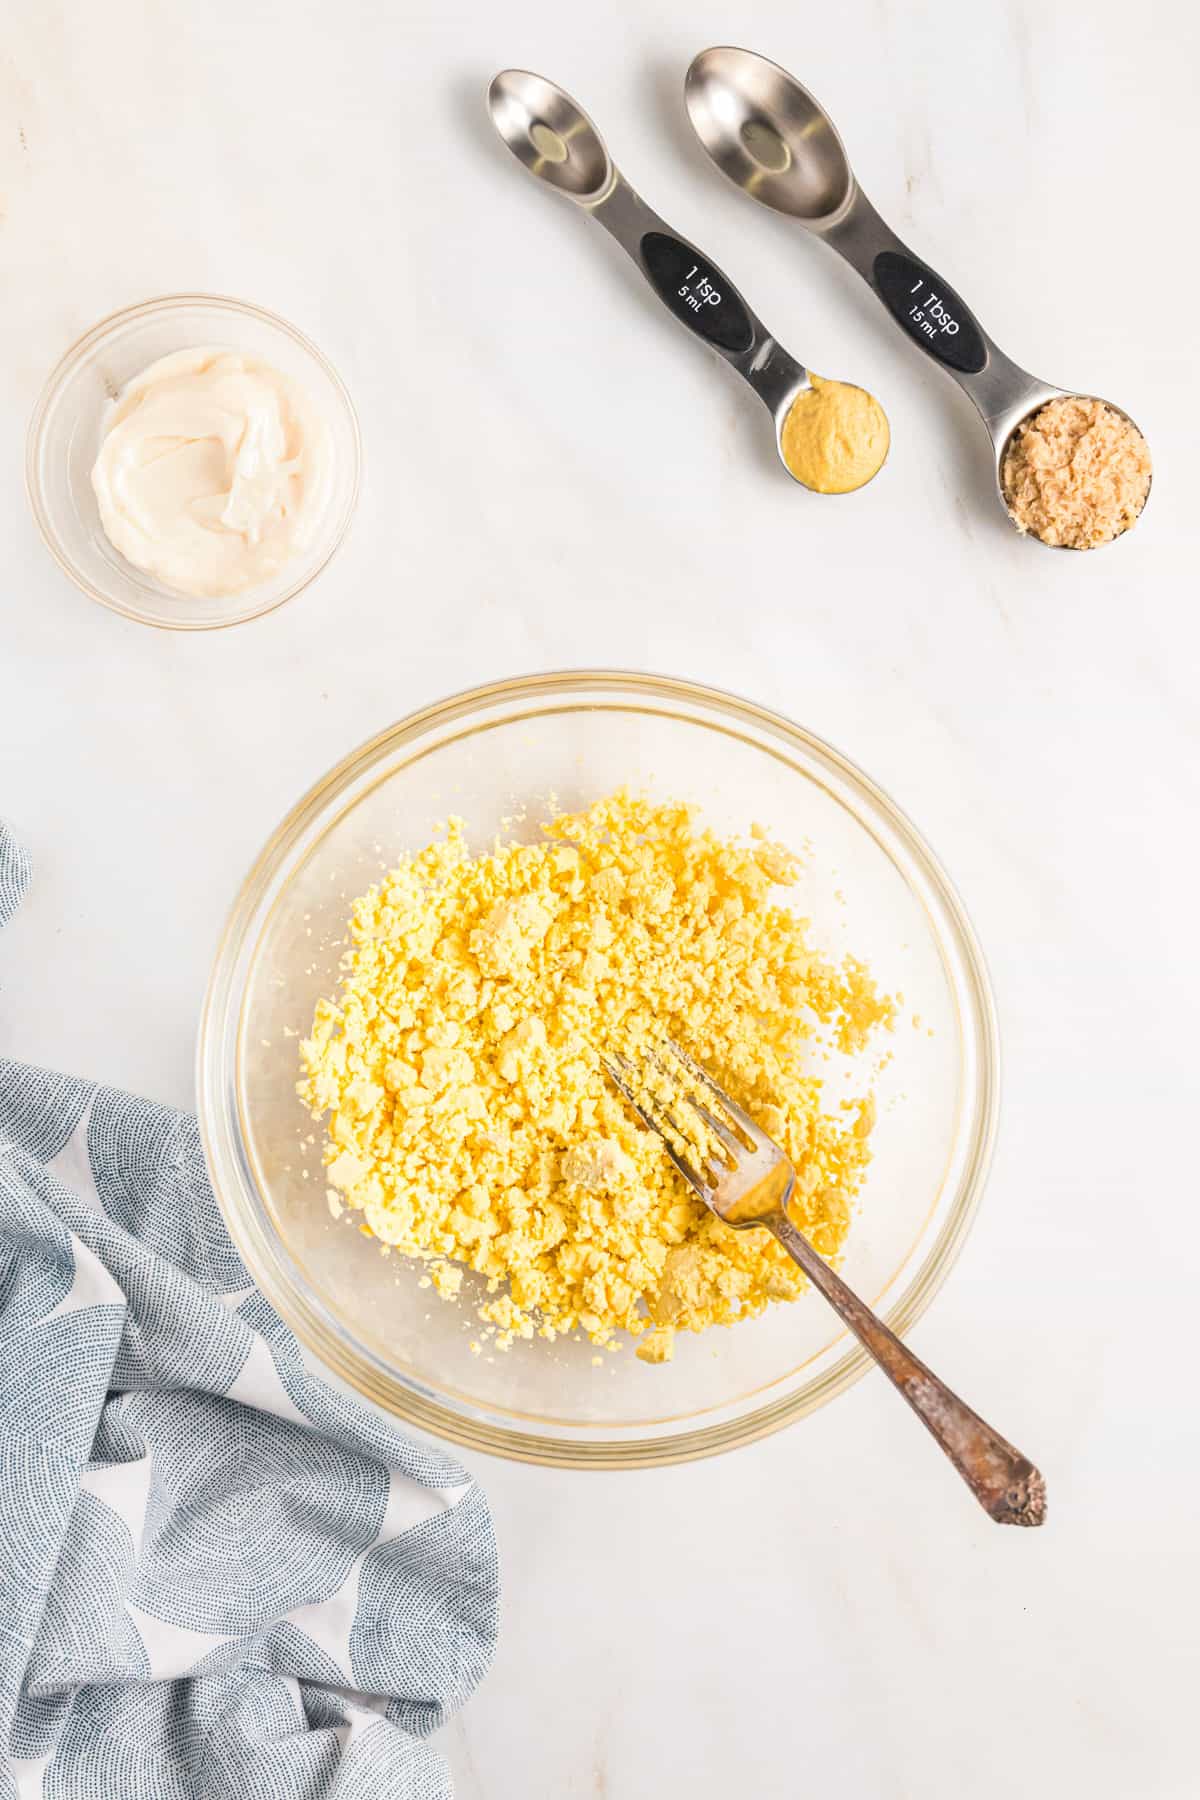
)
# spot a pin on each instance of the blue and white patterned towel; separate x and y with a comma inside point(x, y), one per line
point(219, 1580)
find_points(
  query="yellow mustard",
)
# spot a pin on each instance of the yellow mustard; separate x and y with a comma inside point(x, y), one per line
point(835, 437)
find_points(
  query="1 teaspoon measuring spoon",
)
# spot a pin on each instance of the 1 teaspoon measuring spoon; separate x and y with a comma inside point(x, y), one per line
point(772, 139)
point(556, 141)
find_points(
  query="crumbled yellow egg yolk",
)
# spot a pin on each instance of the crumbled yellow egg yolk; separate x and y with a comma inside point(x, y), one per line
point(471, 1124)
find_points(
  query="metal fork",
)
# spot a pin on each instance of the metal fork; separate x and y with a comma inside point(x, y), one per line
point(751, 1188)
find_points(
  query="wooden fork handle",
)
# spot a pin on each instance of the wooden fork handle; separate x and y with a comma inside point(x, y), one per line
point(1004, 1482)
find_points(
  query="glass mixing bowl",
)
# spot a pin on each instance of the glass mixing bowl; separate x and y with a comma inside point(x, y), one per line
point(871, 885)
point(70, 420)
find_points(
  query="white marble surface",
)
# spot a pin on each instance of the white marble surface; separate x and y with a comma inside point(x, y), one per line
point(557, 476)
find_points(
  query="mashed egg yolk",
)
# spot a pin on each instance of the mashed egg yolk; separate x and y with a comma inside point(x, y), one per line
point(470, 1123)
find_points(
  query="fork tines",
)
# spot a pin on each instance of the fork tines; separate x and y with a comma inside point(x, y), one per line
point(656, 1093)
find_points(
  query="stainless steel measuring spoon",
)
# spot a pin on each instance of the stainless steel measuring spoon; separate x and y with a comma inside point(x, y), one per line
point(556, 141)
point(777, 143)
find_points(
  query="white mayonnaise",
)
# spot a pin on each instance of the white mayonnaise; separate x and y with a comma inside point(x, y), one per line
point(213, 472)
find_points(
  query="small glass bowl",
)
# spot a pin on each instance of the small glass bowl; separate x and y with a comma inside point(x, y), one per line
point(67, 427)
point(871, 886)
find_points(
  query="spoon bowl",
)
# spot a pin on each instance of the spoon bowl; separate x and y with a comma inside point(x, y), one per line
point(1004, 431)
point(551, 135)
point(768, 134)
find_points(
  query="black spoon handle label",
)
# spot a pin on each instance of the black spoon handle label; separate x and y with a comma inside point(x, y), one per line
point(930, 312)
point(696, 292)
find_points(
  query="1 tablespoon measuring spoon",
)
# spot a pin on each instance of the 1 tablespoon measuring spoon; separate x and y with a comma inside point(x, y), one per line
point(556, 141)
point(772, 139)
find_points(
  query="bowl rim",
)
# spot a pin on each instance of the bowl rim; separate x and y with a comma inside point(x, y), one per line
point(87, 342)
point(409, 1401)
